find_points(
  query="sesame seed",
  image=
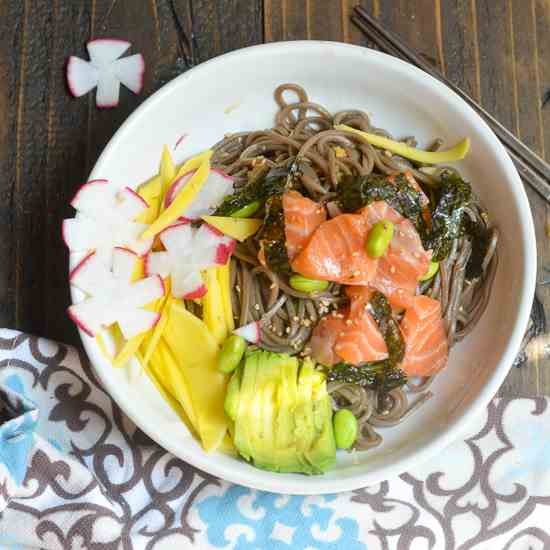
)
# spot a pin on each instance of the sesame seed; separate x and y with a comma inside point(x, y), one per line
point(392, 269)
point(355, 254)
point(387, 153)
point(356, 273)
point(272, 286)
point(307, 350)
point(342, 333)
point(307, 323)
point(287, 330)
point(257, 307)
point(325, 303)
point(237, 288)
point(295, 318)
point(349, 322)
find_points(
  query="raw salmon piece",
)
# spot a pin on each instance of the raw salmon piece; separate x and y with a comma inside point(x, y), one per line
point(405, 260)
point(336, 252)
point(302, 217)
point(324, 338)
point(425, 338)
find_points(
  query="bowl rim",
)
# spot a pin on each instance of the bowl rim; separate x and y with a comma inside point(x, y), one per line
point(319, 484)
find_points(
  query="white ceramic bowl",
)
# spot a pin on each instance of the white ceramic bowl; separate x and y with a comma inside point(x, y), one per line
point(235, 92)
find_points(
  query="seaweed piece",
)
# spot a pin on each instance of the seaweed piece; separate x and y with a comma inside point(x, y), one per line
point(355, 192)
point(448, 218)
point(272, 236)
point(380, 309)
point(480, 237)
point(273, 183)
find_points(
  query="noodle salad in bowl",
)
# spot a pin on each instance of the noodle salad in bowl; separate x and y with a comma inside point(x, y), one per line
point(294, 293)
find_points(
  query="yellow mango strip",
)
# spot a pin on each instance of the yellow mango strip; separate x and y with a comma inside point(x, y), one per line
point(196, 351)
point(167, 170)
point(237, 228)
point(154, 339)
point(175, 381)
point(183, 199)
point(151, 214)
point(139, 270)
point(458, 152)
point(213, 309)
point(156, 373)
point(194, 163)
point(151, 189)
point(224, 281)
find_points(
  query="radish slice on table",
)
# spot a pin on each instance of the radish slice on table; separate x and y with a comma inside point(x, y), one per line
point(250, 332)
point(112, 298)
point(188, 252)
point(105, 71)
point(106, 221)
point(216, 187)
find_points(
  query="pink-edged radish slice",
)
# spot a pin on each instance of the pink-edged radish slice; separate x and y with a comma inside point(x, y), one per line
point(250, 332)
point(91, 196)
point(177, 238)
point(189, 286)
point(130, 72)
point(157, 263)
point(124, 263)
point(105, 71)
point(106, 221)
point(82, 76)
point(103, 51)
point(91, 274)
point(216, 248)
point(108, 90)
point(137, 321)
point(131, 205)
point(113, 299)
point(216, 187)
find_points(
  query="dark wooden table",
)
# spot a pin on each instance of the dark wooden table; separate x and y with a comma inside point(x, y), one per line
point(496, 50)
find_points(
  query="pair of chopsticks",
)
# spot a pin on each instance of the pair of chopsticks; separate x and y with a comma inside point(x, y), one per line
point(533, 170)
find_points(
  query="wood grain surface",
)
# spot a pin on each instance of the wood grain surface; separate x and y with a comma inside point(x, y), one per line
point(497, 51)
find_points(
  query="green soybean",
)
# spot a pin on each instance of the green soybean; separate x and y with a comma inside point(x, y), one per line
point(345, 428)
point(303, 284)
point(231, 354)
point(379, 238)
point(246, 211)
point(432, 270)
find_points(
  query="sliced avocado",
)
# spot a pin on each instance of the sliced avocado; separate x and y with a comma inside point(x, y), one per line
point(263, 436)
point(305, 432)
point(283, 419)
point(231, 403)
point(243, 429)
point(322, 454)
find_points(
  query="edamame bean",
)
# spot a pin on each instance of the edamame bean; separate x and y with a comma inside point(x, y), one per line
point(432, 270)
point(379, 238)
point(231, 354)
point(345, 428)
point(303, 284)
point(246, 211)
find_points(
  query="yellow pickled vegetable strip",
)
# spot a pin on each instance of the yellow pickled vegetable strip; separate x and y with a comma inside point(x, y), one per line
point(238, 228)
point(151, 189)
point(458, 152)
point(225, 284)
point(213, 313)
point(154, 339)
point(157, 374)
point(196, 351)
point(194, 163)
point(174, 379)
point(167, 171)
point(183, 199)
point(151, 214)
point(139, 270)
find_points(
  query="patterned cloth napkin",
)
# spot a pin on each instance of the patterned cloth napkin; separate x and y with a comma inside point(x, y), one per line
point(75, 473)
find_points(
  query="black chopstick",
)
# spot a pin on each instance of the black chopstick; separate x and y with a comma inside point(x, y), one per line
point(533, 170)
